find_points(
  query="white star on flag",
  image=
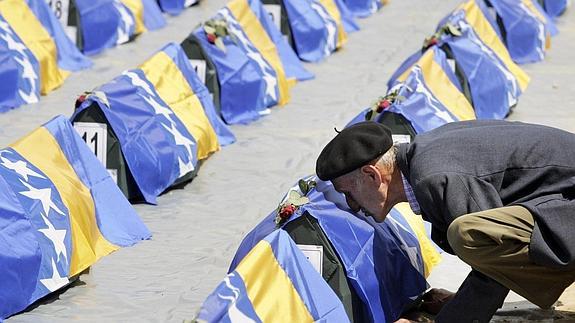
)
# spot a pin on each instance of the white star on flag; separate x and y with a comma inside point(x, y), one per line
point(14, 45)
point(180, 139)
point(185, 167)
point(159, 108)
point(137, 81)
point(44, 195)
point(126, 20)
point(271, 83)
point(56, 281)
point(19, 167)
point(330, 25)
point(29, 74)
point(56, 236)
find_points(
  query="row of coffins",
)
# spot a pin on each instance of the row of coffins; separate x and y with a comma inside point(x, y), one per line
point(41, 41)
point(60, 212)
point(137, 135)
point(464, 71)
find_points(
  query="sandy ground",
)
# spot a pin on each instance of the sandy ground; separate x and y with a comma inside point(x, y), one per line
point(197, 229)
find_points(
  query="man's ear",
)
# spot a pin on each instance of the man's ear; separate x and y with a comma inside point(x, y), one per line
point(372, 172)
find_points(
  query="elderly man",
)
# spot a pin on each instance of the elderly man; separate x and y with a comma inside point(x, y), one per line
point(500, 195)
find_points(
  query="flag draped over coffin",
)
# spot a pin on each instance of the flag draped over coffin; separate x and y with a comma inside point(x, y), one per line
point(37, 54)
point(107, 23)
point(317, 27)
point(163, 126)
point(273, 283)
point(386, 263)
point(175, 7)
point(254, 38)
point(493, 85)
point(526, 29)
point(243, 89)
point(429, 97)
point(290, 63)
point(61, 212)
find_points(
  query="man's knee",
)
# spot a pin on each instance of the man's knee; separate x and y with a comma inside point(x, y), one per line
point(460, 236)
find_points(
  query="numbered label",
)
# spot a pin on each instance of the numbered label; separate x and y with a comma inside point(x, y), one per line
point(275, 13)
point(400, 139)
point(61, 9)
point(199, 66)
point(96, 137)
point(314, 254)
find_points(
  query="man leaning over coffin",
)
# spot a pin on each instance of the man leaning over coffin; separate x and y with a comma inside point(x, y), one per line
point(500, 195)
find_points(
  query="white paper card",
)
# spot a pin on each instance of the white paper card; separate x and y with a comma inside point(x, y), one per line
point(314, 254)
point(275, 12)
point(400, 139)
point(96, 137)
point(199, 66)
point(188, 3)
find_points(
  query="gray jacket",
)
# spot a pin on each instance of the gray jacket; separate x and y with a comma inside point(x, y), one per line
point(471, 166)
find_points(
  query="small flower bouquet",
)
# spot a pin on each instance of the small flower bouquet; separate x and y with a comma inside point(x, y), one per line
point(294, 200)
point(447, 29)
point(215, 29)
point(383, 103)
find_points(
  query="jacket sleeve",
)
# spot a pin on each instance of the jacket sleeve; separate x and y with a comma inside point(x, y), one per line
point(444, 197)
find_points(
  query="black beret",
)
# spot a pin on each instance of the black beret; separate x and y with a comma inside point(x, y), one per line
point(352, 148)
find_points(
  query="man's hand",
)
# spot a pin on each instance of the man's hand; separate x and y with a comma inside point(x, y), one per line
point(435, 299)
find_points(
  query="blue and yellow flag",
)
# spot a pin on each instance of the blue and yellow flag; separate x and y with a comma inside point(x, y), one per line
point(528, 29)
point(38, 31)
point(428, 96)
point(61, 212)
point(477, 15)
point(386, 263)
point(292, 66)
point(156, 144)
point(104, 23)
point(316, 26)
point(243, 89)
point(69, 57)
point(176, 82)
point(494, 87)
point(19, 71)
point(273, 283)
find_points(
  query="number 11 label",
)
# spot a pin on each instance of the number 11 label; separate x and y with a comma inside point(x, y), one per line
point(96, 137)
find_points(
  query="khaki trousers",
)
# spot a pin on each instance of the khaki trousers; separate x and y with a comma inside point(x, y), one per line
point(496, 243)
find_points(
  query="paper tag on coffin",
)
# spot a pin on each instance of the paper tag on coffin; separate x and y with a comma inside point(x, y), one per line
point(90, 124)
point(401, 129)
point(204, 67)
point(278, 14)
point(306, 230)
